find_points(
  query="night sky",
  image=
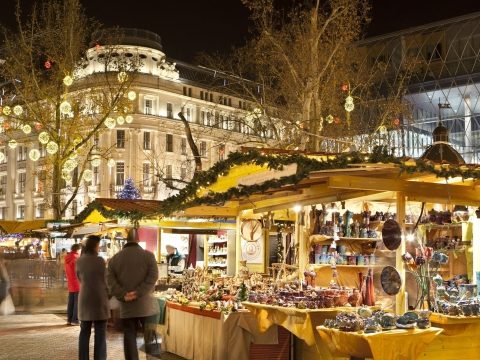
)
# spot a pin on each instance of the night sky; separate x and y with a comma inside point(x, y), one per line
point(191, 26)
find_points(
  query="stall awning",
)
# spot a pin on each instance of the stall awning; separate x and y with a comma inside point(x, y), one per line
point(18, 227)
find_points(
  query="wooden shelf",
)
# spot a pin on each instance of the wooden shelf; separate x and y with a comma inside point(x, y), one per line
point(217, 242)
point(324, 238)
point(321, 266)
point(217, 254)
point(432, 226)
point(217, 265)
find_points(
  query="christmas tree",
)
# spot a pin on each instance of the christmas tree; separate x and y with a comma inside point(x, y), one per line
point(129, 191)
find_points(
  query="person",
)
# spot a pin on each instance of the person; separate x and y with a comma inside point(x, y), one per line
point(73, 285)
point(175, 260)
point(132, 275)
point(61, 266)
point(92, 300)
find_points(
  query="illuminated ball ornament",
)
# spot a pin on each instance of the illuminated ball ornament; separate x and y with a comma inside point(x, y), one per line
point(349, 107)
point(17, 110)
point(329, 119)
point(34, 154)
point(337, 120)
point(27, 129)
point(132, 95)
point(12, 144)
point(68, 80)
point(111, 163)
point(7, 110)
point(88, 175)
point(110, 122)
point(396, 121)
point(69, 165)
point(344, 87)
point(65, 107)
point(120, 120)
point(66, 176)
point(52, 147)
point(382, 129)
point(129, 119)
point(122, 76)
point(43, 137)
point(96, 161)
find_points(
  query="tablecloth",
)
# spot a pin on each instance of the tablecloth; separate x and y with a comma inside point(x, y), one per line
point(209, 335)
point(395, 344)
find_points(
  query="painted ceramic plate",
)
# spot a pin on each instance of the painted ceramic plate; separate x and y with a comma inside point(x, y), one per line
point(251, 230)
point(390, 280)
point(391, 234)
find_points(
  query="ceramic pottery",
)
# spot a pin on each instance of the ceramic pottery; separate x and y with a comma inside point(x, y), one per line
point(391, 234)
point(390, 280)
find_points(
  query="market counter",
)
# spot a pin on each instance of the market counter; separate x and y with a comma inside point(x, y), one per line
point(211, 335)
point(398, 344)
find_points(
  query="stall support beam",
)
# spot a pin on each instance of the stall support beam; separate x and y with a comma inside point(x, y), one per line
point(400, 298)
point(475, 249)
point(302, 245)
point(238, 244)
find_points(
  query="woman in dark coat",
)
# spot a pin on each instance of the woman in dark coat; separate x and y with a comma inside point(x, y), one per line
point(93, 300)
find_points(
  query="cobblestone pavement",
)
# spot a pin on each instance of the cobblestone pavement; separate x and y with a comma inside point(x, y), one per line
point(45, 336)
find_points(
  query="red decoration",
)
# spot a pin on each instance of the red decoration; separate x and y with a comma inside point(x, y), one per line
point(38, 126)
point(6, 125)
point(345, 87)
point(396, 121)
point(48, 64)
point(336, 120)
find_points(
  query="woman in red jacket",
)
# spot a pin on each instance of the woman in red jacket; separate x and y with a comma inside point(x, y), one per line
point(73, 284)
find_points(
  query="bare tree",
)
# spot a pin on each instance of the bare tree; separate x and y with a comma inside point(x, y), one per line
point(67, 92)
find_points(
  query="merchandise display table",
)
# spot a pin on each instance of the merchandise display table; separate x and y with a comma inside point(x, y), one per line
point(459, 339)
point(398, 344)
point(209, 335)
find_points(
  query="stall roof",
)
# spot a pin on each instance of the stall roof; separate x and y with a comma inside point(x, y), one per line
point(18, 227)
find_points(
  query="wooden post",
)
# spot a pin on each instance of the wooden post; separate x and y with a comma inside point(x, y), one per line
point(238, 244)
point(400, 297)
point(475, 248)
point(302, 246)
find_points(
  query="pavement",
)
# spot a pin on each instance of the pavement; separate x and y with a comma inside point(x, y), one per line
point(46, 336)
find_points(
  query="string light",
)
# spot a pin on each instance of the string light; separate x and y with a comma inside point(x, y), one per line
point(17, 110)
point(110, 122)
point(132, 95)
point(27, 129)
point(129, 119)
point(7, 110)
point(88, 175)
point(68, 80)
point(34, 154)
point(43, 137)
point(52, 147)
point(120, 120)
point(65, 107)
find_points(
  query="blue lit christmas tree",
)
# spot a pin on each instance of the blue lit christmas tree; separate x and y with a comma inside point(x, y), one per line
point(129, 191)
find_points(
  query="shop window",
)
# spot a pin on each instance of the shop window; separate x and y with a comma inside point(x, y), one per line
point(22, 180)
point(169, 143)
point(120, 139)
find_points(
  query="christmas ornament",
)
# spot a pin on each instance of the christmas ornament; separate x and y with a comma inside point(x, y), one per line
point(111, 163)
point(349, 107)
point(329, 119)
point(34, 154)
point(345, 87)
point(88, 175)
point(48, 64)
point(7, 110)
point(69, 165)
point(12, 144)
point(122, 76)
point(120, 120)
point(110, 122)
point(52, 147)
point(38, 126)
point(65, 107)
point(27, 129)
point(129, 119)
point(96, 161)
point(17, 110)
point(68, 80)
point(382, 129)
point(396, 121)
point(337, 120)
point(43, 137)
point(132, 95)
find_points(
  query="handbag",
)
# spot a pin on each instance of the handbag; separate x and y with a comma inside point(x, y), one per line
point(6, 306)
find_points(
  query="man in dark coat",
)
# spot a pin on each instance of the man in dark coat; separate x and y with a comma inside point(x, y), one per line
point(132, 275)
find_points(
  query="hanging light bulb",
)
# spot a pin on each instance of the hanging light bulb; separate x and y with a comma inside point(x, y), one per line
point(52, 147)
point(132, 95)
point(18, 110)
point(96, 161)
point(111, 163)
point(12, 144)
point(69, 165)
point(65, 107)
point(120, 120)
point(122, 76)
point(349, 107)
point(43, 137)
point(34, 154)
point(129, 119)
point(7, 110)
point(110, 122)
point(88, 175)
point(68, 80)
point(27, 129)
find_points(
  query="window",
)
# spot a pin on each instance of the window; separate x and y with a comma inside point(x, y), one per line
point(74, 208)
point(40, 180)
point(96, 176)
point(201, 95)
point(22, 153)
point(120, 173)
point(221, 152)
point(229, 101)
point(22, 179)
point(183, 146)
point(187, 91)
point(168, 175)
point(203, 148)
point(148, 108)
point(40, 211)
point(169, 111)
point(169, 143)
point(43, 151)
point(211, 97)
point(120, 139)
point(146, 174)
point(189, 114)
point(21, 212)
point(183, 172)
point(146, 140)
point(203, 117)
point(190, 92)
point(4, 157)
point(3, 213)
point(3, 184)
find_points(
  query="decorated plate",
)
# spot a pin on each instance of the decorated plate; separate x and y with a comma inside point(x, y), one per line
point(390, 280)
point(251, 230)
point(391, 234)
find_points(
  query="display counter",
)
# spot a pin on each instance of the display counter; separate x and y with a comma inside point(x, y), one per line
point(198, 334)
point(398, 344)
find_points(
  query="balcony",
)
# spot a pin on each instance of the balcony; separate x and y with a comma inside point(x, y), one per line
point(115, 189)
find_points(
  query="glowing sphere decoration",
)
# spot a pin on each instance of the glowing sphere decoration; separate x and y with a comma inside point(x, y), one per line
point(52, 147)
point(7, 110)
point(132, 95)
point(382, 129)
point(110, 122)
point(88, 175)
point(122, 76)
point(65, 107)
point(69, 165)
point(129, 119)
point(12, 144)
point(66, 176)
point(120, 120)
point(27, 129)
point(111, 163)
point(396, 121)
point(329, 119)
point(96, 161)
point(34, 154)
point(349, 107)
point(18, 110)
point(43, 137)
point(68, 80)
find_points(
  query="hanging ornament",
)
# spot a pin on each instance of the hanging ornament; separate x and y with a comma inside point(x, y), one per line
point(122, 76)
point(329, 119)
point(349, 106)
point(110, 122)
point(7, 110)
point(69, 165)
point(18, 110)
point(68, 80)
point(2, 156)
point(349, 100)
point(48, 64)
point(34, 154)
point(382, 129)
point(65, 107)
point(129, 119)
point(27, 129)
point(336, 120)
point(120, 120)
point(12, 144)
point(38, 126)
point(52, 147)
point(111, 163)
point(132, 95)
point(96, 161)
point(66, 176)
point(344, 87)
point(396, 121)
point(88, 175)
point(43, 137)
